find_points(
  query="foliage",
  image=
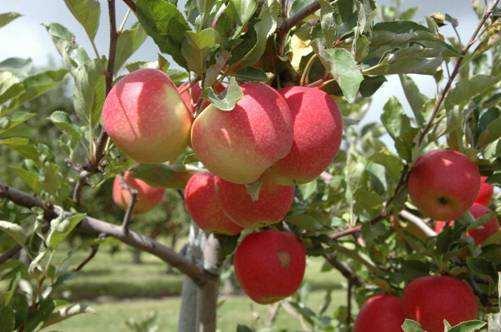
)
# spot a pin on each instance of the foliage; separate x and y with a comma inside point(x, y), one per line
point(50, 140)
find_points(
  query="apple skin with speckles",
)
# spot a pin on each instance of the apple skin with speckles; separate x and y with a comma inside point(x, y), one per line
point(431, 299)
point(147, 196)
point(485, 193)
point(204, 206)
point(272, 204)
point(270, 265)
point(317, 133)
point(443, 184)
point(479, 234)
point(146, 118)
point(380, 313)
point(241, 144)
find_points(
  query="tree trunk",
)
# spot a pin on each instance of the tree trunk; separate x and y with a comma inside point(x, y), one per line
point(207, 294)
point(136, 256)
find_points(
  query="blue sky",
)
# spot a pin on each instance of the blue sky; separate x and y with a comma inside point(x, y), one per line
point(26, 37)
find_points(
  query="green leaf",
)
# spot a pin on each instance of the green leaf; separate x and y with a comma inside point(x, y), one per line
point(343, 68)
point(229, 100)
point(15, 119)
point(29, 177)
point(162, 175)
point(410, 325)
point(197, 46)
point(18, 66)
point(244, 328)
point(491, 130)
point(128, 42)
point(411, 60)
point(244, 9)
point(7, 319)
point(468, 326)
point(87, 13)
point(268, 18)
point(61, 227)
point(165, 24)
point(62, 121)
point(30, 88)
point(6, 18)
point(251, 74)
point(15, 231)
point(45, 308)
point(67, 312)
point(465, 90)
point(399, 127)
point(416, 99)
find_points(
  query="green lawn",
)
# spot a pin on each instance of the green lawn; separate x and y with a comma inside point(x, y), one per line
point(118, 290)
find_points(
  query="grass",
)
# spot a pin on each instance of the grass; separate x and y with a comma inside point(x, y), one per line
point(235, 310)
point(119, 290)
point(115, 276)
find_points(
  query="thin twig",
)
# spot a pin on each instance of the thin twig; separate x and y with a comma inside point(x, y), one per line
point(124, 20)
point(131, 5)
point(133, 239)
point(10, 253)
point(345, 232)
point(418, 222)
point(343, 268)
point(133, 199)
point(457, 66)
point(93, 251)
point(349, 293)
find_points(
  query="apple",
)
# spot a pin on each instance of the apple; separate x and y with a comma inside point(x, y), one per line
point(317, 134)
point(486, 191)
point(146, 118)
point(380, 313)
point(147, 196)
point(272, 205)
point(239, 145)
point(204, 206)
point(443, 184)
point(431, 299)
point(270, 265)
point(479, 234)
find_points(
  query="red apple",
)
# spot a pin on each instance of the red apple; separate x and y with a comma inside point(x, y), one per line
point(443, 184)
point(481, 233)
point(270, 265)
point(429, 300)
point(146, 118)
point(485, 194)
point(272, 205)
point(239, 145)
point(204, 206)
point(317, 133)
point(147, 196)
point(380, 313)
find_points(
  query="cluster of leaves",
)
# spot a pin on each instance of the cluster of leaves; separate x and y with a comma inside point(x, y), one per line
point(348, 47)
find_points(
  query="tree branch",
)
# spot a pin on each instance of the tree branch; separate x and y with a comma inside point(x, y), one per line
point(345, 232)
point(10, 253)
point(343, 268)
point(131, 5)
point(292, 21)
point(136, 240)
point(93, 251)
point(418, 222)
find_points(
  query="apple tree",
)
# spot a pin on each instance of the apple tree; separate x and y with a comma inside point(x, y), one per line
point(253, 122)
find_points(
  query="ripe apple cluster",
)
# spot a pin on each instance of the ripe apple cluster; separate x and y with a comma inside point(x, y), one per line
point(272, 139)
point(428, 300)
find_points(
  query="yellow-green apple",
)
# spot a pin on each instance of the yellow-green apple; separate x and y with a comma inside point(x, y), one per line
point(239, 145)
point(146, 118)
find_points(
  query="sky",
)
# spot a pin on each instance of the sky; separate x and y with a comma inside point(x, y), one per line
point(26, 37)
